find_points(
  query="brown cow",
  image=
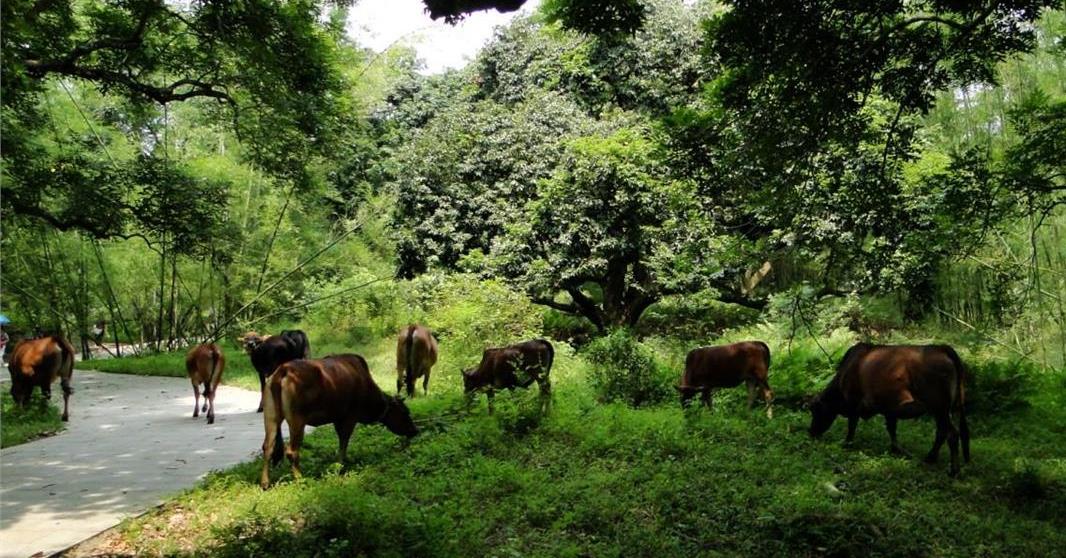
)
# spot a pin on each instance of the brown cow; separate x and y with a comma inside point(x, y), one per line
point(517, 365)
point(416, 353)
point(337, 389)
point(899, 382)
point(710, 368)
point(204, 364)
point(37, 363)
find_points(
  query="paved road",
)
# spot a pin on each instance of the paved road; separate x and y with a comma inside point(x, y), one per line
point(130, 443)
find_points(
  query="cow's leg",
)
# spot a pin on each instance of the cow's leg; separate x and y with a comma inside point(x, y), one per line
point(272, 425)
point(207, 393)
point(196, 400)
point(410, 387)
point(210, 404)
point(853, 422)
point(490, 395)
point(751, 394)
point(425, 382)
point(64, 383)
point(344, 435)
point(945, 431)
point(296, 438)
point(941, 434)
point(953, 444)
point(705, 397)
point(890, 425)
point(545, 388)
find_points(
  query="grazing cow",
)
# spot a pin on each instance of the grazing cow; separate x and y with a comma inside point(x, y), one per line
point(416, 353)
point(899, 382)
point(337, 389)
point(37, 363)
point(204, 364)
point(710, 368)
point(267, 353)
point(517, 365)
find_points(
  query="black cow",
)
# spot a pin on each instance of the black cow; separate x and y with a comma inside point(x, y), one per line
point(268, 353)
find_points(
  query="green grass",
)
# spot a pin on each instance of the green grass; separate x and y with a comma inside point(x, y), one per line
point(19, 426)
point(606, 480)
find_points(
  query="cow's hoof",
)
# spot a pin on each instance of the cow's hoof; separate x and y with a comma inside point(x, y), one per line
point(65, 418)
point(930, 459)
point(210, 420)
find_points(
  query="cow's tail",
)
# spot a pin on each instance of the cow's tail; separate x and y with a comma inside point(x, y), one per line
point(960, 400)
point(66, 366)
point(274, 387)
point(216, 371)
point(408, 371)
point(551, 355)
point(765, 352)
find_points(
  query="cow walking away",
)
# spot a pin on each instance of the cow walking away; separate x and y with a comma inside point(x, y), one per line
point(517, 365)
point(267, 353)
point(711, 368)
point(204, 364)
point(899, 382)
point(337, 389)
point(416, 353)
point(38, 363)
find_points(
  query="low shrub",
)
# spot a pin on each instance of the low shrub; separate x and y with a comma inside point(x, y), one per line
point(998, 386)
point(623, 369)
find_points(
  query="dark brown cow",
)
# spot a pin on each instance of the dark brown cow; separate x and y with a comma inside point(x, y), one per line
point(416, 353)
point(517, 365)
point(337, 389)
point(710, 368)
point(38, 363)
point(267, 353)
point(899, 382)
point(204, 364)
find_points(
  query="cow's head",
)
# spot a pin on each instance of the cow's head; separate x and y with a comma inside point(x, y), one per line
point(823, 413)
point(250, 341)
point(469, 382)
point(397, 418)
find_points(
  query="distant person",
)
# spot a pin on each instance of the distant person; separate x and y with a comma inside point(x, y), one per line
point(4, 343)
point(98, 331)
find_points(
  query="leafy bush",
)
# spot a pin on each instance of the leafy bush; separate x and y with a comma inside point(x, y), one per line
point(623, 369)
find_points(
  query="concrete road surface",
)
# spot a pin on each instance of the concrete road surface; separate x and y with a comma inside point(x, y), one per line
point(130, 443)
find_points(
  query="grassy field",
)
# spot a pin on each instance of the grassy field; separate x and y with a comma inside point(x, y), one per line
point(37, 420)
point(593, 479)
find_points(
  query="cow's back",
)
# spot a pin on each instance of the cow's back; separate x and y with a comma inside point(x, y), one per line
point(423, 348)
point(328, 389)
point(883, 374)
point(726, 365)
point(37, 361)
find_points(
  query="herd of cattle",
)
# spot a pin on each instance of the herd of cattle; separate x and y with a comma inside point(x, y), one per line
point(896, 381)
